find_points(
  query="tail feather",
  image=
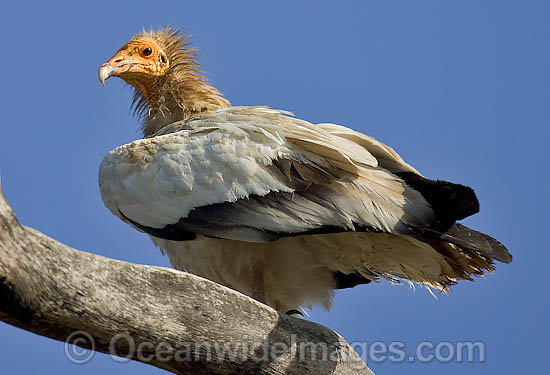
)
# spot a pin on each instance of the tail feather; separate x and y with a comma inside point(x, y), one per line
point(476, 242)
point(468, 253)
point(462, 253)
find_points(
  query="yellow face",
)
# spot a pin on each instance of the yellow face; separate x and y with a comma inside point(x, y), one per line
point(138, 59)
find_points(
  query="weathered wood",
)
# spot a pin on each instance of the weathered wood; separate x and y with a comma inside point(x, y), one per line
point(172, 320)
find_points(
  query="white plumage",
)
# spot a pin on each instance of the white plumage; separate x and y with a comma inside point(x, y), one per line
point(276, 207)
point(227, 156)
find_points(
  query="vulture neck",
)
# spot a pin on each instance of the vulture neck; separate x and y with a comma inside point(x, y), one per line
point(175, 97)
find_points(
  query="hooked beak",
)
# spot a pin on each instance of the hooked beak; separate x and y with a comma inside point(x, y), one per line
point(105, 71)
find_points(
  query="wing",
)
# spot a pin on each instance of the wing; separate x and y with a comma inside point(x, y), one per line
point(256, 174)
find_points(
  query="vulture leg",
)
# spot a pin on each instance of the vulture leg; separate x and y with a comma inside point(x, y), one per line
point(258, 290)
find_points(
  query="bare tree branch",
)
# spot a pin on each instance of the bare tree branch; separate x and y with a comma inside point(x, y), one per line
point(166, 318)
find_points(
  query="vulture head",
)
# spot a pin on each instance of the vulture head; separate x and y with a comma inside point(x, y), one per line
point(139, 62)
point(163, 69)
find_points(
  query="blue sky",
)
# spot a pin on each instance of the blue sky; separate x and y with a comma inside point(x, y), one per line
point(459, 88)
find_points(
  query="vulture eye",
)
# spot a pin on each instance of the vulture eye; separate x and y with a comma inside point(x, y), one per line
point(147, 51)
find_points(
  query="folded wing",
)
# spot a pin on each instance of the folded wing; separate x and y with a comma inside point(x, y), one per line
point(255, 174)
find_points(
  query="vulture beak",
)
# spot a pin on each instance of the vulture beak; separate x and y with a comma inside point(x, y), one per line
point(105, 71)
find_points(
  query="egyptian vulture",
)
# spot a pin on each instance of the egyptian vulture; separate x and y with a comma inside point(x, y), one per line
point(275, 207)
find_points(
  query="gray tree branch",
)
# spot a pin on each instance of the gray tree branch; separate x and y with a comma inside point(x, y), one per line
point(166, 318)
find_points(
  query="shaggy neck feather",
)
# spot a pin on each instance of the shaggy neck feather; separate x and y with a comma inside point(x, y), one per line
point(162, 101)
